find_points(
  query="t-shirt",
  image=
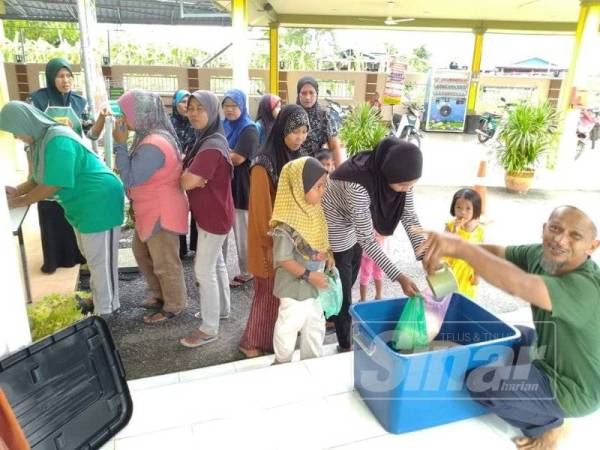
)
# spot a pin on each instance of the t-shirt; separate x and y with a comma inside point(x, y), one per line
point(212, 205)
point(568, 336)
point(246, 146)
point(289, 245)
point(91, 195)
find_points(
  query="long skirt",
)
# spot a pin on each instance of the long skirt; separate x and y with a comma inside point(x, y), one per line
point(262, 318)
point(59, 245)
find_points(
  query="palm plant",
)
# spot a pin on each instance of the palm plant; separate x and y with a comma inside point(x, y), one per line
point(362, 129)
point(525, 135)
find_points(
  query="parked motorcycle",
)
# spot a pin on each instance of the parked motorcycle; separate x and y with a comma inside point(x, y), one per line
point(588, 130)
point(337, 112)
point(406, 126)
point(488, 123)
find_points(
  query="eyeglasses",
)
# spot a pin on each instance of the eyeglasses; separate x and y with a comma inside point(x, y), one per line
point(230, 106)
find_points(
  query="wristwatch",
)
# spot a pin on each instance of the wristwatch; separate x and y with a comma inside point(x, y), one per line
point(305, 275)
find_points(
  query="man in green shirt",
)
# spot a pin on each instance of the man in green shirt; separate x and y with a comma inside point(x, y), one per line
point(562, 375)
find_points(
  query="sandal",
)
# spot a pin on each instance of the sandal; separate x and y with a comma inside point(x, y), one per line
point(197, 338)
point(153, 303)
point(159, 316)
point(240, 280)
point(251, 353)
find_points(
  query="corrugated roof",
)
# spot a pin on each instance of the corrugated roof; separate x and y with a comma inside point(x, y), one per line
point(165, 12)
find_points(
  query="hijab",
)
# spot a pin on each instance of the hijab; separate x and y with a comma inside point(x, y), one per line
point(392, 161)
point(320, 123)
point(23, 119)
point(234, 128)
point(275, 154)
point(51, 96)
point(266, 105)
point(146, 114)
point(178, 96)
point(291, 207)
point(315, 110)
point(212, 136)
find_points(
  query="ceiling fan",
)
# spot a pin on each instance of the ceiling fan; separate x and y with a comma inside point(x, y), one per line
point(389, 19)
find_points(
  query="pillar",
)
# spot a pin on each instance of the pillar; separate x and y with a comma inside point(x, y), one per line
point(14, 326)
point(241, 53)
point(583, 64)
point(475, 71)
point(274, 58)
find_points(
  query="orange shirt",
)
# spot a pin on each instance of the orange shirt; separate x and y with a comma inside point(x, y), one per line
point(260, 209)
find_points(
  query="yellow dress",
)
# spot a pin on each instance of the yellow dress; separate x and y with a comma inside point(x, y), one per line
point(463, 272)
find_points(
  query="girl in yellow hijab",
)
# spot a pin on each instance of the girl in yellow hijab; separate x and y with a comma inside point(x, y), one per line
point(300, 254)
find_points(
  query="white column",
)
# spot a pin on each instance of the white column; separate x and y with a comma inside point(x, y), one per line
point(14, 327)
point(241, 53)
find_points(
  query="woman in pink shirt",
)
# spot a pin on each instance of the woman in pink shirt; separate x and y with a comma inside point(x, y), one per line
point(150, 171)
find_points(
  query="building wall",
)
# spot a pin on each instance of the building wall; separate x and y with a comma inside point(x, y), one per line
point(186, 78)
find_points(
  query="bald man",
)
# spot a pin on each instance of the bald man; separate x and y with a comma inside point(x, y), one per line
point(560, 377)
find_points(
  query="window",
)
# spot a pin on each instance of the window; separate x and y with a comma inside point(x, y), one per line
point(219, 85)
point(343, 89)
point(161, 84)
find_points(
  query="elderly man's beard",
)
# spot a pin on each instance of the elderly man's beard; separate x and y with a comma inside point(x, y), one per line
point(551, 267)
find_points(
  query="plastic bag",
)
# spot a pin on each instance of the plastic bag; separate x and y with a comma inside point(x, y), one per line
point(411, 331)
point(331, 298)
point(435, 312)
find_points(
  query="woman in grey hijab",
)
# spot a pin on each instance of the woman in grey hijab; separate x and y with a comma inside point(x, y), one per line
point(207, 179)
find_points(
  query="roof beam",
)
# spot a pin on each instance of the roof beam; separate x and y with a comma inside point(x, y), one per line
point(296, 20)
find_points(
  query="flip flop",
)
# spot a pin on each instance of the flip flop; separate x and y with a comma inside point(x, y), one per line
point(159, 316)
point(197, 341)
point(153, 303)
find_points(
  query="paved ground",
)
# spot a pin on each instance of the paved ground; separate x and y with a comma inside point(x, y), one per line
point(152, 350)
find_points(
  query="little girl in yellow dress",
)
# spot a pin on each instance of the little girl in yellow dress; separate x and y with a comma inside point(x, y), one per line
point(466, 209)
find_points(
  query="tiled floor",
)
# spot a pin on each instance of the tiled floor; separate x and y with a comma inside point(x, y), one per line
point(303, 405)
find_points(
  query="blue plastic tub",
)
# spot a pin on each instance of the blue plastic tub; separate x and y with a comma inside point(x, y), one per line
point(408, 392)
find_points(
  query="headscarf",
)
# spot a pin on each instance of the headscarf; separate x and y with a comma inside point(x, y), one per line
point(291, 207)
point(234, 128)
point(392, 161)
point(274, 154)
point(51, 96)
point(185, 132)
point(24, 119)
point(320, 124)
point(147, 115)
point(212, 136)
point(178, 96)
point(266, 105)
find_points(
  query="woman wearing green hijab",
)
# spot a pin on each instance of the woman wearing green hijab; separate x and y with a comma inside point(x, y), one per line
point(58, 100)
point(90, 194)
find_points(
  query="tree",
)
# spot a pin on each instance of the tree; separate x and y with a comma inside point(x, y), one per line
point(419, 60)
point(53, 32)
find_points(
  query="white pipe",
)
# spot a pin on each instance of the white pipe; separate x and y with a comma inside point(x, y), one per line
point(108, 140)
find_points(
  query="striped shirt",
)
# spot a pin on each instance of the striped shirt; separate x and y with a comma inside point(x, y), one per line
point(347, 210)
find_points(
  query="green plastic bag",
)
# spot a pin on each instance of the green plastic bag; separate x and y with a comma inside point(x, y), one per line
point(331, 298)
point(411, 330)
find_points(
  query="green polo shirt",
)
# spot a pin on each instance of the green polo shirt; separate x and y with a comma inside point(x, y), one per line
point(568, 336)
point(90, 193)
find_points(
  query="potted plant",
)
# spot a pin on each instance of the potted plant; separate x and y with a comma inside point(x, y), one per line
point(362, 129)
point(527, 132)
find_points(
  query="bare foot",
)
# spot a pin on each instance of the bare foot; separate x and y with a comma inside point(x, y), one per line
point(545, 441)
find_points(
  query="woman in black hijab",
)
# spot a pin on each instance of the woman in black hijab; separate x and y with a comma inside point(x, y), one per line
point(282, 145)
point(322, 129)
point(371, 191)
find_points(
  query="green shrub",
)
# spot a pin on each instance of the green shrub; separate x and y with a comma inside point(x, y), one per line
point(54, 312)
point(362, 129)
